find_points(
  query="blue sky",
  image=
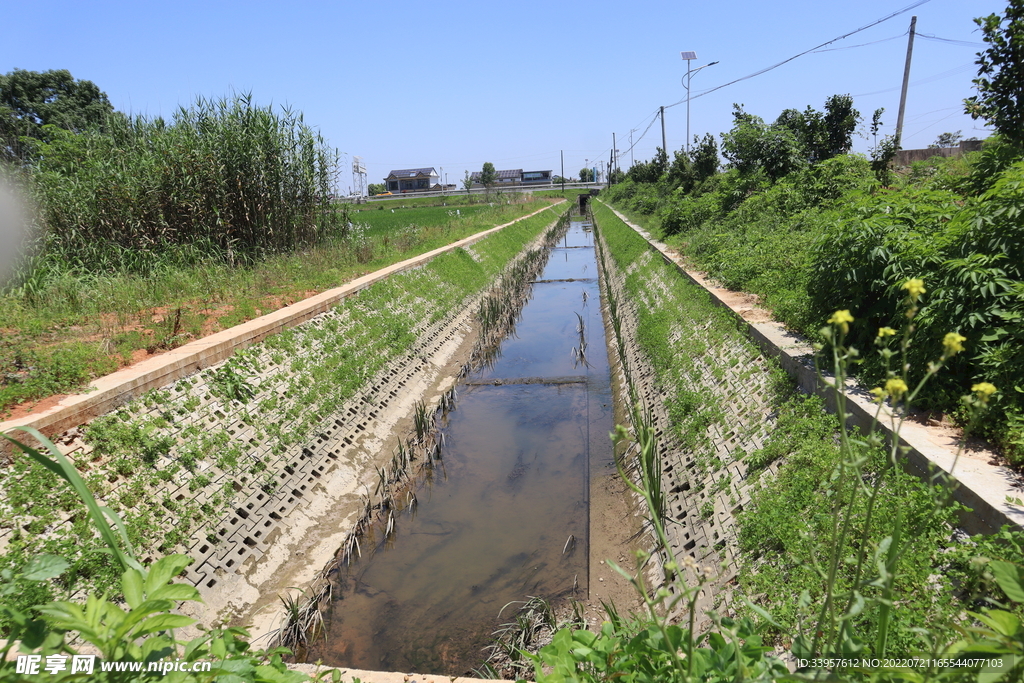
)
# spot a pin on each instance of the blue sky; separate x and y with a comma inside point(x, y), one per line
point(455, 84)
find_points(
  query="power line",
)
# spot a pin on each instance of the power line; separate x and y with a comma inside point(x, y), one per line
point(964, 43)
point(637, 142)
point(873, 42)
point(801, 54)
point(945, 74)
point(935, 111)
point(933, 123)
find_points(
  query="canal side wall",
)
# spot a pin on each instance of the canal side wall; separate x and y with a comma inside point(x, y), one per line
point(704, 478)
point(259, 466)
point(985, 487)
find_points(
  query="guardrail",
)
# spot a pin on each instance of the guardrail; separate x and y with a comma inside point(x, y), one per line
point(497, 191)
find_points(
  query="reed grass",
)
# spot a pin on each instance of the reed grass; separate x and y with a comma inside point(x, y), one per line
point(224, 177)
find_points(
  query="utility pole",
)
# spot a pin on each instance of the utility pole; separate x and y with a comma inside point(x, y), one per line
point(561, 153)
point(906, 82)
point(631, 162)
point(664, 145)
point(614, 155)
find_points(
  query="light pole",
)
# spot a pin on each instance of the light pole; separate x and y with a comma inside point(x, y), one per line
point(690, 56)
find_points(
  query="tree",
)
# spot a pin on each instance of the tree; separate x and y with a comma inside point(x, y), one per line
point(488, 176)
point(650, 171)
point(947, 140)
point(659, 164)
point(883, 152)
point(836, 127)
point(680, 172)
point(376, 188)
point(1000, 81)
point(586, 175)
point(467, 182)
point(752, 145)
point(704, 159)
point(30, 100)
point(823, 135)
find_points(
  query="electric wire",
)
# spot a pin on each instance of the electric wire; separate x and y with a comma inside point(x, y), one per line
point(637, 141)
point(921, 129)
point(801, 54)
point(928, 79)
point(873, 42)
point(963, 43)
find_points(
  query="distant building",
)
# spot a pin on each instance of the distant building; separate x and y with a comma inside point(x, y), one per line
point(515, 177)
point(536, 178)
point(412, 180)
point(905, 157)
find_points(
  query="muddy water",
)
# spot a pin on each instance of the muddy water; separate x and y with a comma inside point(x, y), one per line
point(494, 524)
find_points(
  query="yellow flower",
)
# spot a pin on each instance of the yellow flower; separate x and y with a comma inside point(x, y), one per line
point(953, 343)
point(896, 387)
point(985, 389)
point(886, 332)
point(842, 319)
point(914, 287)
point(879, 394)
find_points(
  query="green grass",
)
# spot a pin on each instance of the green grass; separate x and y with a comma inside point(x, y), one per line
point(82, 326)
point(785, 533)
point(392, 219)
point(831, 238)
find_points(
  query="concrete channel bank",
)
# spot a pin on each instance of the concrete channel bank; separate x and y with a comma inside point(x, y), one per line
point(259, 465)
point(725, 390)
point(984, 486)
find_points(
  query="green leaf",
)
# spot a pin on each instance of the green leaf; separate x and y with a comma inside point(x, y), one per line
point(176, 592)
point(1008, 577)
point(163, 622)
point(1003, 623)
point(268, 674)
point(43, 567)
point(141, 612)
point(158, 647)
point(856, 608)
point(131, 585)
point(164, 569)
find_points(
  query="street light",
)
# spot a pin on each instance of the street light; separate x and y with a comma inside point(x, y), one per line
point(690, 56)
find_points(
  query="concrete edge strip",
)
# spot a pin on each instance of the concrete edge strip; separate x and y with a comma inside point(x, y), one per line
point(114, 390)
point(984, 487)
point(350, 674)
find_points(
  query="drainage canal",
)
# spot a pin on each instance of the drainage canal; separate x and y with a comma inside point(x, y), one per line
point(504, 515)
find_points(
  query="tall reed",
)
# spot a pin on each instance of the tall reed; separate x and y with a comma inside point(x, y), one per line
point(224, 178)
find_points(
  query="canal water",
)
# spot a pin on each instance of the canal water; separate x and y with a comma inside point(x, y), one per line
point(505, 517)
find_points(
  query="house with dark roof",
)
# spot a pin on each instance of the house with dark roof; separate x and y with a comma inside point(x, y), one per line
point(412, 180)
